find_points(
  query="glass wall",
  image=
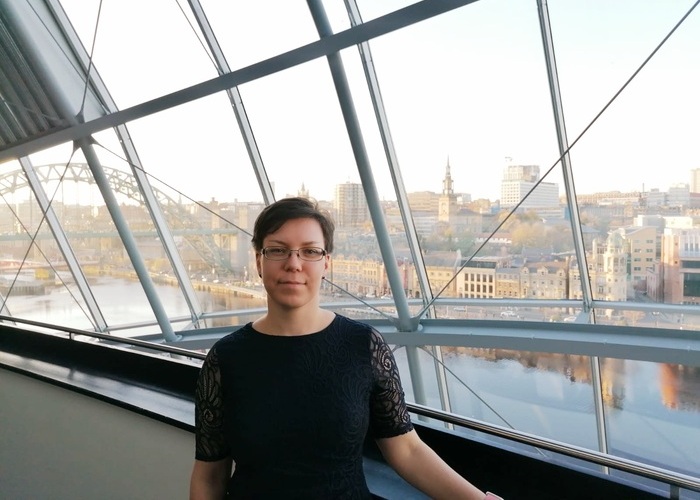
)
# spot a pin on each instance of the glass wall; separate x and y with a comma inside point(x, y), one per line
point(487, 161)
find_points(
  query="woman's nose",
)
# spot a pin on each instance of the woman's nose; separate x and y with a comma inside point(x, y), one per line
point(293, 258)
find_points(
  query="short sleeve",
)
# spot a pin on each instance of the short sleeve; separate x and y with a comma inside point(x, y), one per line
point(210, 442)
point(389, 415)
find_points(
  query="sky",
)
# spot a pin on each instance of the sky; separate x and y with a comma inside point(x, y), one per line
point(468, 88)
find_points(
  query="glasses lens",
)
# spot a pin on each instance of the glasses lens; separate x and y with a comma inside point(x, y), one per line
point(282, 253)
point(276, 253)
point(311, 253)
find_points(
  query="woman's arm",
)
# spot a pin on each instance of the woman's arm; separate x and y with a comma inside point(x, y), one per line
point(210, 476)
point(418, 464)
point(209, 479)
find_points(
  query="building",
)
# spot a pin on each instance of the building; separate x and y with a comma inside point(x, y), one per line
point(609, 198)
point(447, 203)
point(544, 280)
point(477, 278)
point(695, 180)
point(424, 201)
point(678, 195)
point(680, 259)
point(517, 184)
point(350, 205)
point(641, 244)
point(607, 268)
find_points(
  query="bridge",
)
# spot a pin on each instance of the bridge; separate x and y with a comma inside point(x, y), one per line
point(180, 220)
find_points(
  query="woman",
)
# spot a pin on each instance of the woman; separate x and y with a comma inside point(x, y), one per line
point(290, 397)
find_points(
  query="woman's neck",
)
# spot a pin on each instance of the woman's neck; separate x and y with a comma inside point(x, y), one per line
point(294, 322)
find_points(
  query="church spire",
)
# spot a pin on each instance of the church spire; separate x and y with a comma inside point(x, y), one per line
point(447, 184)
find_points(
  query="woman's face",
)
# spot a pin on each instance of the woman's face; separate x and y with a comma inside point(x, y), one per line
point(293, 282)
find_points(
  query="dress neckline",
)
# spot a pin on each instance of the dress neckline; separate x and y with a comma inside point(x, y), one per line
point(318, 333)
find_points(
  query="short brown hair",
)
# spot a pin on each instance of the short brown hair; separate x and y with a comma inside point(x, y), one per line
point(276, 214)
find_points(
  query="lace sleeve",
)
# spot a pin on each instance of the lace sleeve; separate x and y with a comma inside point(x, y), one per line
point(208, 412)
point(389, 416)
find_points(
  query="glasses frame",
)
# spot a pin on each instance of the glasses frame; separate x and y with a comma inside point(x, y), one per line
point(289, 251)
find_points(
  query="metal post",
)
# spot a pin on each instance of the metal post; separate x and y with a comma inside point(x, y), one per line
point(405, 323)
point(563, 141)
point(63, 244)
point(128, 239)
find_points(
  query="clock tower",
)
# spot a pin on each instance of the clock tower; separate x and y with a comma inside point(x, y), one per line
point(447, 204)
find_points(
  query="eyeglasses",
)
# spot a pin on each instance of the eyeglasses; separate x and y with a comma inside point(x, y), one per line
point(311, 254)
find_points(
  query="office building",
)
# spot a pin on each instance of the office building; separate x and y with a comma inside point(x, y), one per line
point(695, 180)
point(350, 205)
point(520, 186)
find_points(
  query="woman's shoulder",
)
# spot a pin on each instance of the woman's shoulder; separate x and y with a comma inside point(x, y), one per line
point(234, 337)
point(349, 326)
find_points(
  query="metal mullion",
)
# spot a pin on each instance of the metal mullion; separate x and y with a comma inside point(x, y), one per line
point(15, 103)
point(10, 126)
point(392, 158)
point(363, 166)
point(25, 81)
point(145, 189)
point(394, 21)
point(128, 239)
point(402, 198)
point(12, 85)
point(159, 222)
point(236, 103)
point(63, 244)
point(601, 426)
point(563, 142)
point(567, 172)
point(405, 322)
point(51, 90)
point(7, 133)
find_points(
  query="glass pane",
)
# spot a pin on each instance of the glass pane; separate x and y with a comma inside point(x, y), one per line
point(472, 149)
point(658, 401)
point(138, 59)
point(250, 32)
point(551, 395)
point(302, 136)
point(633, 176)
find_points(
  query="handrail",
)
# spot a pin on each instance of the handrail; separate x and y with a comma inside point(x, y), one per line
point(622, 464)
point(122, 340)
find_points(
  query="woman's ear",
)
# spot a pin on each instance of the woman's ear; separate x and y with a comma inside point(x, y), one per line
point(258, 264)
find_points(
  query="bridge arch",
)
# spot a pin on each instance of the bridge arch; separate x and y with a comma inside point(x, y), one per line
point(180, 220)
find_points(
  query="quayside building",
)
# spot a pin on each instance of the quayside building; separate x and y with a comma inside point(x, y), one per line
point(548, 337)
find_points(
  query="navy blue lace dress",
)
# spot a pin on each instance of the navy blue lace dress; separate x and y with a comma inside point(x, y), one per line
point(293, 412)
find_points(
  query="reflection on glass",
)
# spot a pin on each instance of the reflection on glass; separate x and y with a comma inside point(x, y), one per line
point(550, 395)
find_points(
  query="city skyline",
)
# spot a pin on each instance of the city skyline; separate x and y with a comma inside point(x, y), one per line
point(75, 189)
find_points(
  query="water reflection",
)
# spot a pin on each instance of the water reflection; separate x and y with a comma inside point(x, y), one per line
point(680, 386)
point(677, 386)
point(651, 409)
point(123, 301)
